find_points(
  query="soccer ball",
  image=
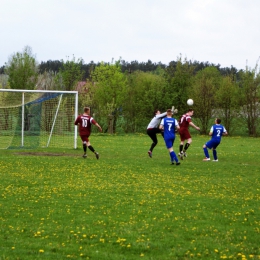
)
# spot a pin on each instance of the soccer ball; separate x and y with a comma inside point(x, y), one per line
point(190, 102)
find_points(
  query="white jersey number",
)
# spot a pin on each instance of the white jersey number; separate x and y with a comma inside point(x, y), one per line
point(84, 123)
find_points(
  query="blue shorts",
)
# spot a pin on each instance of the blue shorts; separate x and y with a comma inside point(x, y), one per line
point(169, 142)
point(212, 144)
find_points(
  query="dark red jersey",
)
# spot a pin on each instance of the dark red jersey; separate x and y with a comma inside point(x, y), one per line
point(185, 121)
point(85, 122)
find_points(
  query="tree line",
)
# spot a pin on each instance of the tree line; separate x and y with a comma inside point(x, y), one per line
point(124, 95)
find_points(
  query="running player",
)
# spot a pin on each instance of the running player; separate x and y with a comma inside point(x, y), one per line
point(84, 122)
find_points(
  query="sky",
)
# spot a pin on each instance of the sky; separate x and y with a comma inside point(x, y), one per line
point(222, 32)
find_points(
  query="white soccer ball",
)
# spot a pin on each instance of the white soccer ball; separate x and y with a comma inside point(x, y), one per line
point(190, 102)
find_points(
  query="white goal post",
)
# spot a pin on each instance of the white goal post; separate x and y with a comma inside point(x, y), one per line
point(38, 118)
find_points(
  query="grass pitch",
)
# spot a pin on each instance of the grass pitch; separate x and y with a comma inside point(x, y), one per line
point(57, 205)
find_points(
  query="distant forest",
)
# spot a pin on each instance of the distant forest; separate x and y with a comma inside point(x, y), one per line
point(149, 66)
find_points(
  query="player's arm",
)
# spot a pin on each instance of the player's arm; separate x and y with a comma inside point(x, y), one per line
point(161, 125)
point(177, 127)
point(161, 115)
point(194, 126)
point(211, 131)
point(99, 127)
point(76, 121)
point(225, 132)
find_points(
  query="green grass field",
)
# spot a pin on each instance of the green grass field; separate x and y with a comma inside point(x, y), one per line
point(56, 205)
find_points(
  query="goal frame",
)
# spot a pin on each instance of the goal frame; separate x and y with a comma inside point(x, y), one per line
point(23, 91)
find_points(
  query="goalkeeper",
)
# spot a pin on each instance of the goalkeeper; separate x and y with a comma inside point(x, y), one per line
point(153, 128)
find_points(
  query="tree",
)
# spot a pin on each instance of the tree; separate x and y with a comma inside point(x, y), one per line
point(203, 91)
point(3, 81)
point(110, 85)
point(70, 73)
point(67, 79)
point(47, 81)
point(146, 92)
point(227, 102)
point(22, 70)
point(249, 99)
point(179, 76)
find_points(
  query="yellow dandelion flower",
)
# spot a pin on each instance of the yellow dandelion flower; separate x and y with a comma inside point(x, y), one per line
point(41, 251)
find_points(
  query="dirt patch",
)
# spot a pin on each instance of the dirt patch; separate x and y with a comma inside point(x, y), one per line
point(45, 154)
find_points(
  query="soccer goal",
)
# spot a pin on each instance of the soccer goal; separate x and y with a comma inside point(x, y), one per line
point(38, 118)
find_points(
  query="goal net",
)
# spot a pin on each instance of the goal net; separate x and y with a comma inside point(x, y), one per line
point(38, 118)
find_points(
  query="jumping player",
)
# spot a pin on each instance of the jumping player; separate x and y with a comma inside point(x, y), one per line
point(184, 122)
point(153, 129)
point(169, 124)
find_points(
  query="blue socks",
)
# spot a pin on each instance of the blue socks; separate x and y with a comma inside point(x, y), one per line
point(215, 154)
point(173, 156)
point(206, 152)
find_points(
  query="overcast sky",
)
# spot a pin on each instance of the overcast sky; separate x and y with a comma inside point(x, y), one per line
point(225, 32)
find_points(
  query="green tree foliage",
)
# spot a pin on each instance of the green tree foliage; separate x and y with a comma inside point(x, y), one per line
point(133, 66)
point(227, 103)
point(22, 70)
point(86, 94)
point(71, 73)
point(179, 76)
point(67, 79)
point(203, 92)
point(4, 81)
point(146, 92)
point(2, 70)
point(110, 89)
point(249, 99)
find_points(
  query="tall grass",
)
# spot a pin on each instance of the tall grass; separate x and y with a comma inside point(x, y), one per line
point(56, 205)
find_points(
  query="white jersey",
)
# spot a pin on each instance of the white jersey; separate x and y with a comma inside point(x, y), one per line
point(156, 120)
